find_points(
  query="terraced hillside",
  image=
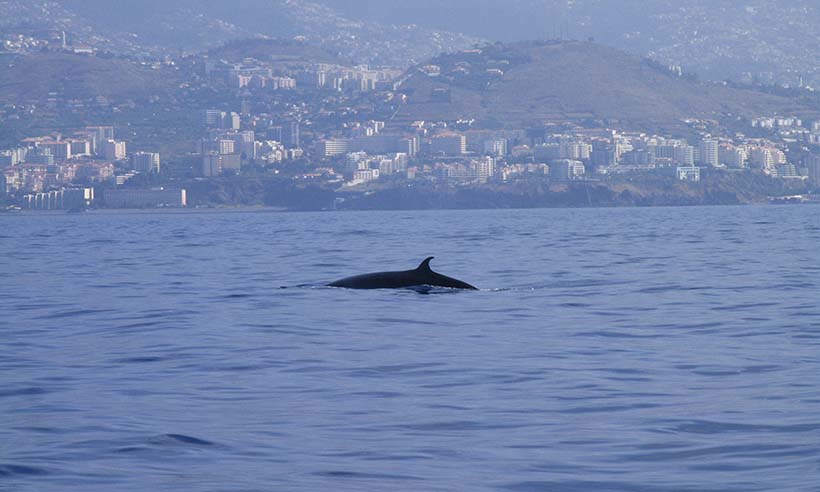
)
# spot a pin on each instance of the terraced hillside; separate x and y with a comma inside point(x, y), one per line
point(530, 82)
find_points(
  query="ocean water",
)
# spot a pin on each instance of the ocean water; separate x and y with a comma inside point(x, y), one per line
point(668, 349)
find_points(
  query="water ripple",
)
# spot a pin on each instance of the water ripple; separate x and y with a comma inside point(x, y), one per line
point(612, 350)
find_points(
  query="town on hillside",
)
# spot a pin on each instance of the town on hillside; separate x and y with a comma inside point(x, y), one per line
point(279, 123)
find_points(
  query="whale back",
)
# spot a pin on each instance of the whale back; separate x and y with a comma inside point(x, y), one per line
point(422, 275)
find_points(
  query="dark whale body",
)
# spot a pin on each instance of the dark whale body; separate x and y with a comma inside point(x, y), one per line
point(422, 275)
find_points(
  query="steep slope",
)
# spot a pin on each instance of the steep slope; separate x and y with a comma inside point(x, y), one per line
point(528, 82)
point(32, 77)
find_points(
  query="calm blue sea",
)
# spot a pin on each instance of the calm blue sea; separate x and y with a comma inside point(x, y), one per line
point(665, 349)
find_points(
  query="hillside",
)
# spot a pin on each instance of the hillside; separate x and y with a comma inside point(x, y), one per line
point(32, 77)
point(527, 82)
point(771, 42)
point(274, 50)
point(160, 28)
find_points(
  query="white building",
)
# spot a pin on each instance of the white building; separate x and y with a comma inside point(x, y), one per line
point(689, 173)
point(365, 175)
point(485, 168)
point(334, 147)
point(574, 150)
point(80, 147)
point(226, 146)
point(396, 164)
point(496, 147)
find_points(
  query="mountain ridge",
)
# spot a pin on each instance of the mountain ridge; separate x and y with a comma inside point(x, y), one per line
point(159, 28)
point(525, 82)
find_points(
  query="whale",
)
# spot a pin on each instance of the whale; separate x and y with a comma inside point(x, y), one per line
point(421, 276)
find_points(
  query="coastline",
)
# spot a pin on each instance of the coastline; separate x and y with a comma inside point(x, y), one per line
point(280, 210)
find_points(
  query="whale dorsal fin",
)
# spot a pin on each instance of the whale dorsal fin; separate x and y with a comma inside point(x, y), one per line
point(425, 265)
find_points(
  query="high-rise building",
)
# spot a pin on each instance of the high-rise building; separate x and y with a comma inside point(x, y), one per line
point(61, 150)
point(398, 164)
point(684, 155)
point(291, 135)
point(231, 121)
point(244, 144)
point(81, 147)
point(99, 135)
point(762, 158)
point(603, 154)
point(640, 157)
point(146, 162)
point(212, 118)
point(486, 168)
point(452, 144)
point(275, 133)
point(231, 163)
point(787, 171)
point(496, 147)
point(12, 157)
point(334, 147)
point(547, 151)
point(114, 150)
point(813, 164)
point(566, 169)
point(409, 146)
point(211, 164)
point(733, 157)
point(574, 150)
point(377, 144)
point(214, 164)
point(40, 158)
point(708, 152)
point(226, 146)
